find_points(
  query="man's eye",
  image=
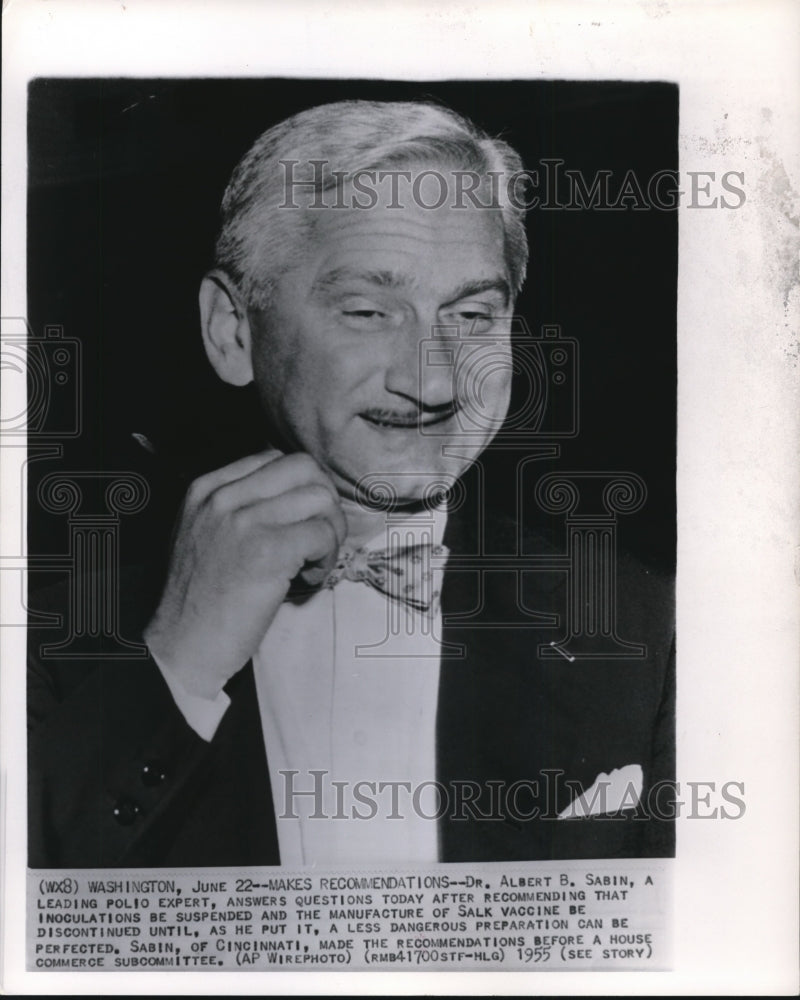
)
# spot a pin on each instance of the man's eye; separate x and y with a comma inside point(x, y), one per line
point(367, 320)
point(363, 314)
point(473, 318)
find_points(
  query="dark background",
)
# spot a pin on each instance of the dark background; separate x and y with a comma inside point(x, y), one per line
point(125, 180)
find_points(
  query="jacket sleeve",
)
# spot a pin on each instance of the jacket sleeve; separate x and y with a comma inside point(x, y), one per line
point(108, 751)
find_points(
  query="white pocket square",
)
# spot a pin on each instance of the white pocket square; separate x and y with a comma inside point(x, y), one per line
point(621, 789)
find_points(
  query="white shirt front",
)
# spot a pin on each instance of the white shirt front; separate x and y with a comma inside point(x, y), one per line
point(347, 686)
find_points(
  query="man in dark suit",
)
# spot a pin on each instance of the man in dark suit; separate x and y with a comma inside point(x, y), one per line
point(340, 611)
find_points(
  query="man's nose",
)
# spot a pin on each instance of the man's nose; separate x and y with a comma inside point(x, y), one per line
point(421, 366)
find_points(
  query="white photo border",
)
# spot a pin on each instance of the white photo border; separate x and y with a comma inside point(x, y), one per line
point(738, 67)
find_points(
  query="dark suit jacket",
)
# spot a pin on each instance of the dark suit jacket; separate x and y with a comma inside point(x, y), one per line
point(117, 777)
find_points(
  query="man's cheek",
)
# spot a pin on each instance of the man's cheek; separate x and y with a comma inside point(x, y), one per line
point(482, 380)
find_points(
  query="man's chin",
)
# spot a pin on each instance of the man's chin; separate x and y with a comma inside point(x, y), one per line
point(390, 489)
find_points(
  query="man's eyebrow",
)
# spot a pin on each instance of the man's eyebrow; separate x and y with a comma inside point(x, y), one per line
point(390, 279)
point(470, 288)
point(340, 275)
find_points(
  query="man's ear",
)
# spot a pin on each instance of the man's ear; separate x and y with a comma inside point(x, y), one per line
point(226, 329)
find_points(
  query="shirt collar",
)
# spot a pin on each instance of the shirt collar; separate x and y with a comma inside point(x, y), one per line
point(421, 527)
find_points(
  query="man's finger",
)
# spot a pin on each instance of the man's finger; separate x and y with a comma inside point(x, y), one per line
point(316, 544)
point(204, 485)
point(287, 473)
point(298, 505)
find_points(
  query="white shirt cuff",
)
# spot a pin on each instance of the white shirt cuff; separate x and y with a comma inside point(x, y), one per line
point(203, 714)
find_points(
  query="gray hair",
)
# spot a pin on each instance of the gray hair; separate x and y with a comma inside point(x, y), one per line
point(257, 239)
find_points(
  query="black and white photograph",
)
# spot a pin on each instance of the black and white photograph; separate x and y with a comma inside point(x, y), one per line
point(349, 475)
point(397, 613)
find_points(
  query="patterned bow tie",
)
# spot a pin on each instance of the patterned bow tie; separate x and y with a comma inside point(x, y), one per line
point(405, 574)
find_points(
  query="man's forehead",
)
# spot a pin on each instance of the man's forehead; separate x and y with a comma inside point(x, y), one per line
point(390, 238)
point(335, 277)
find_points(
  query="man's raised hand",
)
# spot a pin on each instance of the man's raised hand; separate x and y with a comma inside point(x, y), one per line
point(245, 531)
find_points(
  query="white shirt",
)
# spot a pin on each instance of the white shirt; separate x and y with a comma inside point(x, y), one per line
point(347, 686)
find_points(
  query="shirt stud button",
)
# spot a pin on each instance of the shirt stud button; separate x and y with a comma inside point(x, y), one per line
point(153, 773)
point(125, 811)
